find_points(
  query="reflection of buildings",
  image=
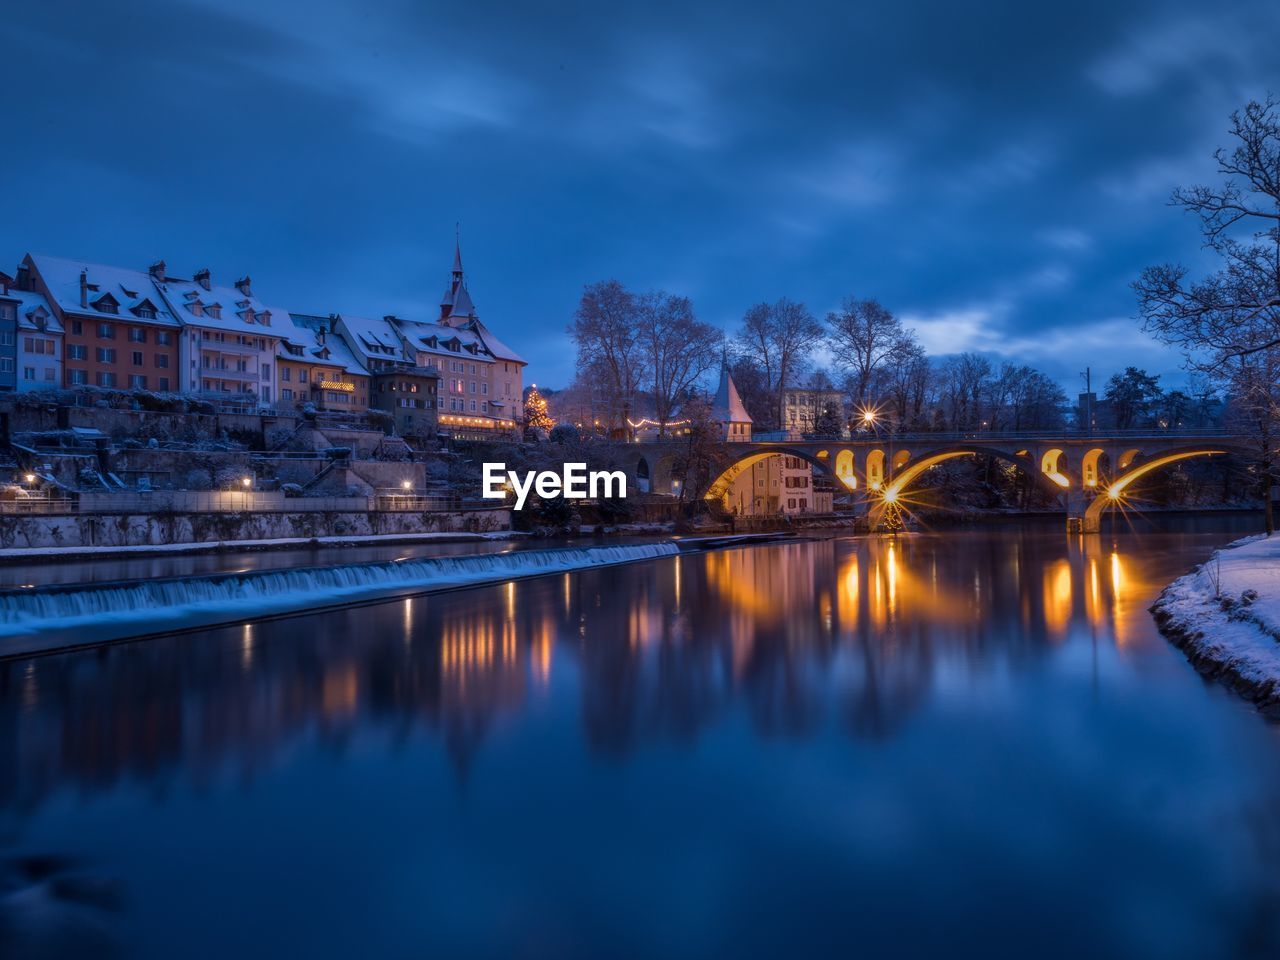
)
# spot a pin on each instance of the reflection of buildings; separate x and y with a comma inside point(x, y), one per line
point(862, 630)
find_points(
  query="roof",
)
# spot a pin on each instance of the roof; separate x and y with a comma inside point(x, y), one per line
point(129, 288)
point(727, 406)
point(432, 338)
point(240, 312)
point(370, 339)
point(29, 303)
point(462, 305)
point(496, 346)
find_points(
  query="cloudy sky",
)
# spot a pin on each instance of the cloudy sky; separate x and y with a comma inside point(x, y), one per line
point(994, 173)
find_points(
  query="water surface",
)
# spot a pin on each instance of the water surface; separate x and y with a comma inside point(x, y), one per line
point(962, 743)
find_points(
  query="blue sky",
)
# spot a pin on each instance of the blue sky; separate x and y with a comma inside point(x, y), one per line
point(996, 174)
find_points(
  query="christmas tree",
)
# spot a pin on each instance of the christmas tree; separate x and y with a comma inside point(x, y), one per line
point(535, 410)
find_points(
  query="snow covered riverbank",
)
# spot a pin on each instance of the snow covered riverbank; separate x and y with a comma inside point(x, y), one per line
point(1225, 616)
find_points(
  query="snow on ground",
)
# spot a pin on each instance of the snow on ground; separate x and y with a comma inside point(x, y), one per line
point(27, 553)
point(1226, 615)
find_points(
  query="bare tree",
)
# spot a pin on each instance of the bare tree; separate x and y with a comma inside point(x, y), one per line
point(780, 336)
point(1236, 310)
point(607, 334)
point(679, 349)
point(863, 335)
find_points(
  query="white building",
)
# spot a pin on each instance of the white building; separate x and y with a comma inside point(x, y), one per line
point(728, 411)
point(228, 347)
point(39, 342)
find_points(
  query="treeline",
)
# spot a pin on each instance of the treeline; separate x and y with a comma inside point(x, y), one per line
point(642, 357)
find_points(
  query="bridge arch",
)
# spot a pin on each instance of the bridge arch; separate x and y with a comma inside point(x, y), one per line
point(846, 469)
point(873, 466)
point(720, 486)
point(1114, 494)
point(1089, 467)
point(893, 493)
point(1051, 466)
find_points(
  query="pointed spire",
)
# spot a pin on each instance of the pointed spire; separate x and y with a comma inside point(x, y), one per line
point(457, 251)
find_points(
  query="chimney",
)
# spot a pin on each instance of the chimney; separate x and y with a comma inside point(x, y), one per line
point(204, 278)
point(84, 289)
point(243, 286)
point(157, 271)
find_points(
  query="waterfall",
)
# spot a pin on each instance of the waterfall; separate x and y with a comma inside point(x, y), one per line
point(243, 596)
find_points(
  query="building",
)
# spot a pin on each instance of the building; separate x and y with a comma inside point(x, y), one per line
point(776, 485)
point(484, 378)
point(728, 411)
point(118, 330)
point(229, 339)
point(8, 335)
point(39, 342)
point(802, 409)
point(315, 365)
point(409, 392)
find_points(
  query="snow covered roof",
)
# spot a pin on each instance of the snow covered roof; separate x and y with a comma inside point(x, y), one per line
point(237, 311)
point(463, 308)
point(371, 339)
point(496, 346)
point(439, 340)
point(33, 311)
point(727, 406)
point(130, 291)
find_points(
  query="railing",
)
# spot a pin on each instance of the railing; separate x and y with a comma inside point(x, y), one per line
point(34, 507)
point(412, 503)
point(966, 436)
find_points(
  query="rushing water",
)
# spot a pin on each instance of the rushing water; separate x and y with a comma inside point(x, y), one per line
point(957, 744)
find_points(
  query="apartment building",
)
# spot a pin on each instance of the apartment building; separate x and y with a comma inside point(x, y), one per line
point(229, 338)
point(118, 330)
point(803, 408)
point(39, 342)
point(398, 383)
point(8, 335)
point(316, 366)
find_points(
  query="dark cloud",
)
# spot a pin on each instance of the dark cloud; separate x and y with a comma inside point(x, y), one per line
point(995, 172)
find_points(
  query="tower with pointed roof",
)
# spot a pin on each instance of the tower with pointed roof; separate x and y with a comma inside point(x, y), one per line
point(727, 409)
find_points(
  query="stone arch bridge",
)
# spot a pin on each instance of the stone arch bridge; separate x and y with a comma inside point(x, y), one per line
point(1090, 473)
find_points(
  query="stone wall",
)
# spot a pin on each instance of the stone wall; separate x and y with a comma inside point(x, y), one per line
point(163, 529)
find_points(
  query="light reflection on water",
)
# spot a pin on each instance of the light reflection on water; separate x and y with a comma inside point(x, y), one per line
point(967, 740)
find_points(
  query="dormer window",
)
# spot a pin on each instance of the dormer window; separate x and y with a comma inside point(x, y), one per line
point(265, 318)
point(196, 307)
point(147, 313)
point(215, 310)
point(106, 304)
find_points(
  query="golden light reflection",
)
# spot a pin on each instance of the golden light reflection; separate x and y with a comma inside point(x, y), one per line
point(246, 646)
point(1057, 597)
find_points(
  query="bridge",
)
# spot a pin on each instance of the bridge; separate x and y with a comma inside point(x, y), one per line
point(1090, 473)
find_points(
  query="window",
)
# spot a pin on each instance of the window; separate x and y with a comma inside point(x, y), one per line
point(162, 337)
point(77, 377)
point(484, 389)
point(106, 331)
point(8, 311)
point(137, 382)
point(137, 335)
point(285, 376)
point(106, 354)
point(473, 386)
point(266, 371)
point(163, 385)
point(146, 313)
point(6, 339)
point(77, 327)
point(106, 379)
point(137, 358)
point(162, 361)
point(285, 392)
point(7, 365)
point(302, 376)
point(473, 406)
point(48, 374)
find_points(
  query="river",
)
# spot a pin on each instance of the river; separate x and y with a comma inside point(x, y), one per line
point(964, 743)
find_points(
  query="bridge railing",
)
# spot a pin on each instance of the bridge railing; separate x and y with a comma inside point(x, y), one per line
point(966, 436)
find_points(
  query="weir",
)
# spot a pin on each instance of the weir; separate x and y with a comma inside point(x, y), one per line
point(96, 613)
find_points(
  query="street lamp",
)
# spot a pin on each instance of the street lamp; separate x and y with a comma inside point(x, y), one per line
point(406, 484)
point(247, 482)
point(30, 478)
